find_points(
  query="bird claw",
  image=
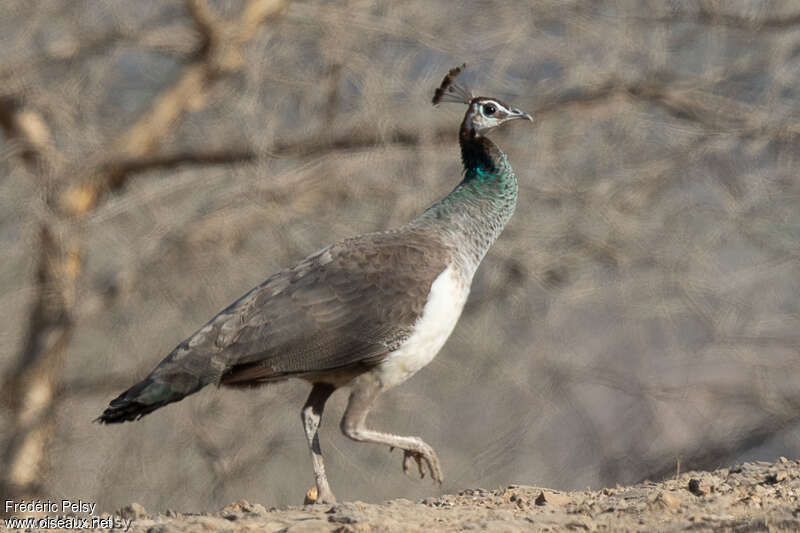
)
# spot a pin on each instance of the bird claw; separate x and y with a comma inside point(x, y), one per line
point(424, 460)
point(407, 461)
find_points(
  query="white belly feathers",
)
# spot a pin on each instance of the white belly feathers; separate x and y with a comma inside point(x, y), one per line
point(439, 317)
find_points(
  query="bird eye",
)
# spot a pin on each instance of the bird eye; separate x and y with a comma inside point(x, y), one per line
point(489, 109)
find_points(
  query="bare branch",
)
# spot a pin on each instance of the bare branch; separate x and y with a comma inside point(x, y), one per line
point(219, 53)
point(30, 386)
point(357, 140)
point(27, 127)
point(710, 17)
point(33, 384)
point(124, 168)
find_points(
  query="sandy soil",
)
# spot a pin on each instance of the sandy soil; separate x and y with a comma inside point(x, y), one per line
point(749, 497)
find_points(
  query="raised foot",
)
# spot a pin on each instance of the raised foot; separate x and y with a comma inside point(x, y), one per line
point(425, 457)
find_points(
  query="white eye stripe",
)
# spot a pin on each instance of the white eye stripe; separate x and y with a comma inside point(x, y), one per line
point(479, 121)
point(490, 107)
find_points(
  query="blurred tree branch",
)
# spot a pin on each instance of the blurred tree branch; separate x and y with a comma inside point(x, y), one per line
point(709, 14)
point(31, 387)
point(360, 139)
point(175, 39)
point(27, 129)
point(219, 54)
point(124, 168)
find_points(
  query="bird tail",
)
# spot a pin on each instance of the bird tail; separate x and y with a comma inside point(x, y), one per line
point(145, 397)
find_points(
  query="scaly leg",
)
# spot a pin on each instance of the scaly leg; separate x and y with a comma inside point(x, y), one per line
point(364, 390)
point(312, 414)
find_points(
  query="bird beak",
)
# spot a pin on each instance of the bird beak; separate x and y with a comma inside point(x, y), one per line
point(518, 113)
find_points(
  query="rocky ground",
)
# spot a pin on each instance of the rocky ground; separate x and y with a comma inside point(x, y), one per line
point(750, 497)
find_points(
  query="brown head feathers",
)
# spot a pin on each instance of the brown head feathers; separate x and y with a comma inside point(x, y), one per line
point(450, 91)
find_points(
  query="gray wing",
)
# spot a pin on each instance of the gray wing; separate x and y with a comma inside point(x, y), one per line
point(351, 303)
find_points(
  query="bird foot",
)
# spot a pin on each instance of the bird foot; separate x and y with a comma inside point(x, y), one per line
point(313, 496)
point(425, 458)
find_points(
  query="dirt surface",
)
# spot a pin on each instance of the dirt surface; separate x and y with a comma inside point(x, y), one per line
point(750, 497)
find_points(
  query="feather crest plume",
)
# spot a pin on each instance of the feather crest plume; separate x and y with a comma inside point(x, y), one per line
point(450, 91)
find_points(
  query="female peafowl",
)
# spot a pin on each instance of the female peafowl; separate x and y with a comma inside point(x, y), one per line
point(366, 313)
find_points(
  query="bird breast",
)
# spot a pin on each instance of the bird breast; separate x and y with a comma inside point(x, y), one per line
point(442, 309)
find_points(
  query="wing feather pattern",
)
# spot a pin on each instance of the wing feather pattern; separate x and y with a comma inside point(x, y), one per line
point(348, 304)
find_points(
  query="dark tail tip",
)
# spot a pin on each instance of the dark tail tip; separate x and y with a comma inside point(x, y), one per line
point(124, 411)
point(141, 399)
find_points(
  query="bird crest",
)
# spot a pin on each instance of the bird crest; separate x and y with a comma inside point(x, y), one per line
point(450, 91)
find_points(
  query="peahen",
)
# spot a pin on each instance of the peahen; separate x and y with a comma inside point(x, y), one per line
point(367, 312)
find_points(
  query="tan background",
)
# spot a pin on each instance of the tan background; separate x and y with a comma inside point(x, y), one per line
point(640, 309)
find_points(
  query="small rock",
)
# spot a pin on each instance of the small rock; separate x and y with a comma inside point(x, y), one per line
point(694, 487)
point(132, 511)
point(774, 478)
point(258, 509)
point(668, 500)
point(240, 506)
point(540, 499)
point(234, 511)
point(556, 498)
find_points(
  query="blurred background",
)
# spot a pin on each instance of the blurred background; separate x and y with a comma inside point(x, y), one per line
point(640, 315)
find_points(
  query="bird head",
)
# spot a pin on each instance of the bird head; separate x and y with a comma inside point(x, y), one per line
point(484, 113)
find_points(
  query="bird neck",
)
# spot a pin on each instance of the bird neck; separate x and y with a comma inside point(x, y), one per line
point(474, 214)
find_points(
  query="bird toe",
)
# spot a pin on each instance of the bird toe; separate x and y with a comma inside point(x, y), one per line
point(426, 460)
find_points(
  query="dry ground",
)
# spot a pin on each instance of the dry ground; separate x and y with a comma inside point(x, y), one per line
point(749, 497)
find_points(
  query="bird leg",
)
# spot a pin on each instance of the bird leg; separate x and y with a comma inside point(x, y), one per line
point(312, 414)
point(364, 390)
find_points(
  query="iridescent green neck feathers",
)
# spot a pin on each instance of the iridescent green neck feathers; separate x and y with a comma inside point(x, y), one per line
point(474, 214)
